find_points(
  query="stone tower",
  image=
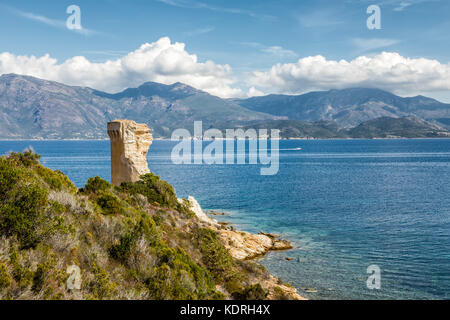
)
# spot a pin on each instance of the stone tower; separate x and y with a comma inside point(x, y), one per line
point(129, 147)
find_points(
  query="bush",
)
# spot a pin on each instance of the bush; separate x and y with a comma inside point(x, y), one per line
point(23, 213)
point(96, 185)
point(24, 207)
point(56, 180)
point(40, 277)
point(22, 275)
point(144, 227)
point(5, 278)
point(27, 159)
point(109, 203)
point(122, 250)
point(214, 255)
point(101, 286)
point(178, 277)
point(154, 189)
point(254, 292)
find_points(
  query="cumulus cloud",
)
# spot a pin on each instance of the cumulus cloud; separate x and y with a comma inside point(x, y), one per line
point(166, 62)
point(160, 61)
point(253, 92)
point(389, 71)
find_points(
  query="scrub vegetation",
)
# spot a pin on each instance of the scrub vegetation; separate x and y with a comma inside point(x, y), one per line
point(136, 241)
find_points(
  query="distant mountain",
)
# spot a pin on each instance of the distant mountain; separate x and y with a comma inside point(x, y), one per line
point(31, 108)
point(35, 108)
point(408, 127)
point(349, 107)
point(384, 127)
point(301, 129)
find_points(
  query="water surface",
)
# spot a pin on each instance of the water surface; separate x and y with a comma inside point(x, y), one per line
point(345, 204)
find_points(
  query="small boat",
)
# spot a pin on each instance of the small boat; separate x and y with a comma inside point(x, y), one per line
point(298, 148)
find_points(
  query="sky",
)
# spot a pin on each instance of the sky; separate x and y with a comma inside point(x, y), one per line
point(232, 48)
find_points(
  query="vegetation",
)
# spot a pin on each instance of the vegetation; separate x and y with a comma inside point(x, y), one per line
point(136, 241)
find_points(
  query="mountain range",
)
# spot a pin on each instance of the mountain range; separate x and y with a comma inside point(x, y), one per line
point(32, 108)
point(349, 107)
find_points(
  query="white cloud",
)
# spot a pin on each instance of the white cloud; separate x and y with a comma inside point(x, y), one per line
point(160, 61)
point(370, 44)
point(190, 4)
point(166, 62)
point(279, 51)
point(400, 5)
point(253, 92)
point(48, 21)
point(272, 50)
point(388, 71)
point(199, 31)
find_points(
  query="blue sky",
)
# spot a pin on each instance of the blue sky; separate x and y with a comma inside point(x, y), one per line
point(251, 37)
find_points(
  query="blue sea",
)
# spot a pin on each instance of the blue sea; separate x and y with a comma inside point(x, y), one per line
point(344, 204)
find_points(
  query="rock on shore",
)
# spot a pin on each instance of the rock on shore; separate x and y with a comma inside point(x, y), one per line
point(244, 245)
point(241, 245)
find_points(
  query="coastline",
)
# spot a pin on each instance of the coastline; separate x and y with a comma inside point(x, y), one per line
point(246, 246)
point(207, 140)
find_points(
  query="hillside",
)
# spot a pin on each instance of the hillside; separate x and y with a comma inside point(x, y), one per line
point(32, 108)
point(136, 241)
point(301, 129)
point(384, 127)
point(348, 107)
point(408, 127)
point(35, 108)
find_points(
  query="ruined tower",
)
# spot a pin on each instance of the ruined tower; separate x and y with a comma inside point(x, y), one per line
point(129, 147)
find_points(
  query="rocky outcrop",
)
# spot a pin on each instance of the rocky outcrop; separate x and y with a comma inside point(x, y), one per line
point(244, 245)
point(197, 209)
point(129, 147)
point(241, 245)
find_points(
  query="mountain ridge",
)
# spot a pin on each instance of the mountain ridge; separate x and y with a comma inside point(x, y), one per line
point(348, 107)
point(35, 108)
point(32, 108)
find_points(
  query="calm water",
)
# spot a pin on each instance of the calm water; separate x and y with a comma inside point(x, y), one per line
point(344, 204)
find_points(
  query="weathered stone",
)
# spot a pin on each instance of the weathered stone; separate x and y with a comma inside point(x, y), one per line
point(129, 147)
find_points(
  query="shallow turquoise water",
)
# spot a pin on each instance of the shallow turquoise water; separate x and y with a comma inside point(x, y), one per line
point(345, 204)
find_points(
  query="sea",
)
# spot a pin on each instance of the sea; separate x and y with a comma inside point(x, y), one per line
point(348, 206)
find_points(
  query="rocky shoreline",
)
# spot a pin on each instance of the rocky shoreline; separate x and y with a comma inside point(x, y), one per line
point(246, 246)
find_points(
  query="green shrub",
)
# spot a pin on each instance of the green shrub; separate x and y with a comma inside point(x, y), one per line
point(144, 227)
point(122, 250)
point(214, 255)
point(10, 176)
point(24, 207)
point(27, 158)
point(110, 204)
point(154, 189)
point(5, 277)
point(22, 275)
point(101, 286)
point(96, 185)
point(253, 292)
point(23, 213)
point(56, 180)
